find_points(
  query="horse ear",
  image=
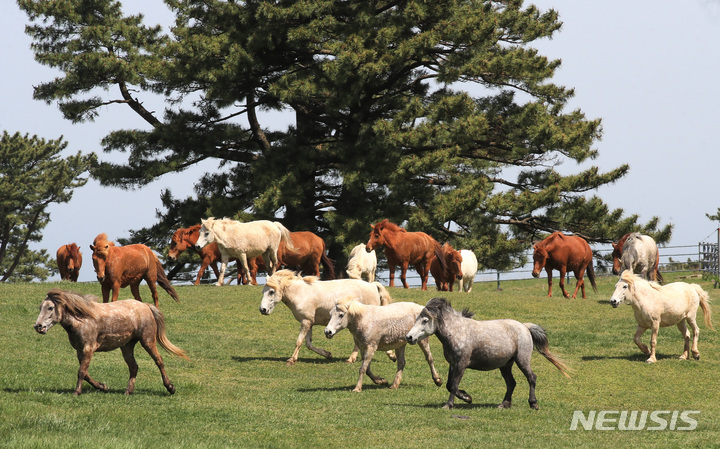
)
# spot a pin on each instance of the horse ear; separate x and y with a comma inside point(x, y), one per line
point(92, 248)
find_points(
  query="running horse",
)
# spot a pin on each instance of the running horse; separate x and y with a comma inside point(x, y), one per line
point(69, 261)
point(638, 253)
point(185, 238)
point(306, 255)
point(119, 266)
point(404, 248)
point(564, 252)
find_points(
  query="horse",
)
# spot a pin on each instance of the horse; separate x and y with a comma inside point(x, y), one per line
point(185, 238)
point(119, 266)
point(362, 263)
point(244, 240)
point(446, 267)
point(469, 268)
point(310, 300)
point(69, 261)
point(403, 248)
point(306, 255)
point(639, 253)
point(379, 327)
point(657, 306)
point(93, 326)
point(564, 252)
point(484, 346)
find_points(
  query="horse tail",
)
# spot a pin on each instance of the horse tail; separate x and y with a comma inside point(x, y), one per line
point(328, 266)
point(705, 305)
point(658, 276)
point(540, 342)
point(385, 298)
point(163, 281)
point(284, 235)
point(162, 337)
point(591, 275)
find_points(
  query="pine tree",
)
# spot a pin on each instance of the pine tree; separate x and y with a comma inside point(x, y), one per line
point(437, 115)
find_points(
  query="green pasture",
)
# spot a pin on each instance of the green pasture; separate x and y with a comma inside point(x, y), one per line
point(237, 391)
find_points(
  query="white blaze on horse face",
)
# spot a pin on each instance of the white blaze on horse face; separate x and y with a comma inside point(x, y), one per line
point(424, 327)
point(47, 317)
point(204, 238)
point(269, 299)
point(338, 322)
point(621, 295)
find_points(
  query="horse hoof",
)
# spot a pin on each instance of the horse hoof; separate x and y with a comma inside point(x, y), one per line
point(438, 381)
point(171, 389)
point(104, 388)
point(696, 356)
point(534, 406)
point(380, 381)
point(290, 362)
point(447, 406)
point(651, 360)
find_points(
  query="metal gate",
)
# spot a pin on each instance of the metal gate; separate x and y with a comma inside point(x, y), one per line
point(710, 260)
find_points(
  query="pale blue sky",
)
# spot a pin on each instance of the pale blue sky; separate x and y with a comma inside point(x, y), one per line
point(648, 68)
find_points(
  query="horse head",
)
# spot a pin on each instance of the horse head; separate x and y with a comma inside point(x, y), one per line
point(101, 249)
point(182, 239)
point(540, 256)
point(339, 316)
point(624, 289)
point(50, 314)
point(205, 235)
point(376, 238)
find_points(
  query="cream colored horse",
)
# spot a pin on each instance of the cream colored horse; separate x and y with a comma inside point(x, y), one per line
point(469, 268)
point(310, 300)
point(659, 306)
point(244, 241)
point(379, 327)
point(362, 263)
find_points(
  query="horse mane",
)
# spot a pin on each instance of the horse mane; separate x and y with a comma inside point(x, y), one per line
point(79, 306)
point(632, 278)
point(350, 305)
point(438, 306)
point(390, 226)
point(282, 279)
point(73, 250)
point(102, 240)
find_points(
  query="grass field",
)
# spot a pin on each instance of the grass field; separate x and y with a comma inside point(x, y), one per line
point(238, 392)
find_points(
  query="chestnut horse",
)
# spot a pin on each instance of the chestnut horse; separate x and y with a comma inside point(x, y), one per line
point(638, 253)
point(120, 266)
point(564, 252)
point(307, 254)
point(69, 261)
point(445, 278)
point(404, 248)
point(185, 238)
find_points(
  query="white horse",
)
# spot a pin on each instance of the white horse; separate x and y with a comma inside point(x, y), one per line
point(469, 267)
point(362, 263)
point(379, 327)
point(311, 300)
point(657, 306)
point(244, 241)
point(638, 253)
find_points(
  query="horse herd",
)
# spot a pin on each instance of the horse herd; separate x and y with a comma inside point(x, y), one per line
point(364, 307)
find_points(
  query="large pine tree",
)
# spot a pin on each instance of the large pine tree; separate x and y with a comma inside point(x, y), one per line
point(439, 115)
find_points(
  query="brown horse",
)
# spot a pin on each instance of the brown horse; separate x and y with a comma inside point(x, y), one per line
point(564, 252)
point(404, 248)
point(120, 266)
point(445, 278)
point(306, 256)
point(103, 327)
point(69, 261)
point(185, 238)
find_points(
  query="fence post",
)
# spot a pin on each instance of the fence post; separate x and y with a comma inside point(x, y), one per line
point(498, 281)
point(717, 261)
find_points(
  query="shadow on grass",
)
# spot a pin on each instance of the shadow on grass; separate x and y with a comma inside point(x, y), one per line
point(316, 361)
point(87, 391)
point(639, 357)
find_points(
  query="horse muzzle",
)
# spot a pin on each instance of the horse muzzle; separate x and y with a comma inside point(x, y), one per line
point(409, 338)
point(615, 303)
point(40, 329)
point(536, 275)
point(265, 311)
point(329, 334)
point(101, 278)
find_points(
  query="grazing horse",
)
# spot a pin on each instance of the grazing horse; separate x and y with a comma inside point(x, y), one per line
point(403, 248)
point(446, 267)
point(307, 254)
point(119, 266)
point(362, 263)
point(564, 252)
point(638, 253)
point(379, 327)
point(244, 240)
point(469, 268)
point(69, 261)
point(185, 238)
point(92, 326)
point(484, 346)
point(657, 306)
point(310, 300)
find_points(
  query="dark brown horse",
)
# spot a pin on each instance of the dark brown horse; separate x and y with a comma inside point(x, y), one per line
point(69, 261)
point(307, 254)
point(404, 248)
point(185, 238)
point(445, 278)
point(95, 327)
point(639, 254)
point(119, 266)
point(564, 253)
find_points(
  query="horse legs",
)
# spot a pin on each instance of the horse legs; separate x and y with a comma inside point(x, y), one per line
point(455, 374)
point(510, 383)
point(128, 352)
point(400, 354)
point(84, 357)
point(403, 275)
point(425, 348)
point(306, 335)
point(105, 293)
point(367, 355)
point(423, 271)
point(524, 364)
point(151, 348)
point(686, 338)
point(153, 290)
point(391, 273)
point(309, 345)
point(548, 270)
point(696, 336)
point(563, 272)
point(638, 340)
point(116, 292)
point(580, 276)
point(223, 266)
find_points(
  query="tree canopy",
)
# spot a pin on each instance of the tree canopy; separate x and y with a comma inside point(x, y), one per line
point(33, 175)
point(437, 115)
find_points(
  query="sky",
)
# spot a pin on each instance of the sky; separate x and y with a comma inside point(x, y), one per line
point(647, 68)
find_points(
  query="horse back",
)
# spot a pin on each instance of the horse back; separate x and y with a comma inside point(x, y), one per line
point(413, 247)
point(130, 263)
